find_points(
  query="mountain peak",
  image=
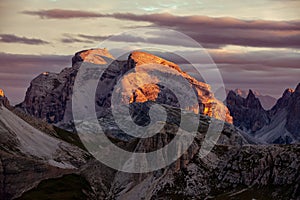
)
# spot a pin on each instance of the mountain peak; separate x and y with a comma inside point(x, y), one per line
point(250, 93)
point(247, 113)
point(141, 58)
point(95, 56)
point(1, 93)
point(251, 98)
point(287, 92)
point(232, 93)
point(298, 88)
point(239, 92)
point(3, 99)
point(207, 102)
point(39, 100)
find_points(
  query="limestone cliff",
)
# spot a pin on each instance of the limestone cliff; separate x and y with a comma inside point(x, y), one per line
point(49, 95)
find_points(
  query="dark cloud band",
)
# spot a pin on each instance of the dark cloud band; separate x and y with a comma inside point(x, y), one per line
point(10, 38)
point(206, 30)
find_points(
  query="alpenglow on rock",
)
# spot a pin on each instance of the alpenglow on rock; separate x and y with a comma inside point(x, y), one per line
point(208, 104)
point(3, 99)
point(49, 95)
point(1, 93)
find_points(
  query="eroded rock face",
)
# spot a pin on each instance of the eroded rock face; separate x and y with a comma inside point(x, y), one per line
point(231, 170)
point(49, 95)
point(227, 172)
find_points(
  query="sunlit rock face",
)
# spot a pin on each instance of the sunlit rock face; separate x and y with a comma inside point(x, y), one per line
point(1, 93)
point(148, 92)
point(208, 104)
point(49, 95)
point(3, 99)
point(94, 56)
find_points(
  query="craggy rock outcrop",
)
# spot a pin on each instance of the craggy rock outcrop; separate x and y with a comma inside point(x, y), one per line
point(227, 172)
point(266, 101)
point(233, 169)
point(247, 113)
point(279, 125)
point(49, 95)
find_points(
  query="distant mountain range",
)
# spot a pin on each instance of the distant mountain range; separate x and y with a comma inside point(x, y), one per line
point(280, 124)
point(266, 101)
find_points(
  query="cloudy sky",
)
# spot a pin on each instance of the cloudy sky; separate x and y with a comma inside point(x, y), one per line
point(255, 44)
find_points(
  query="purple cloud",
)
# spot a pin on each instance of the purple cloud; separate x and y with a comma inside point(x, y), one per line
point(10, 38)
point(173, 20)
point(63, 14)
point(82, 38)
point(206, 30)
